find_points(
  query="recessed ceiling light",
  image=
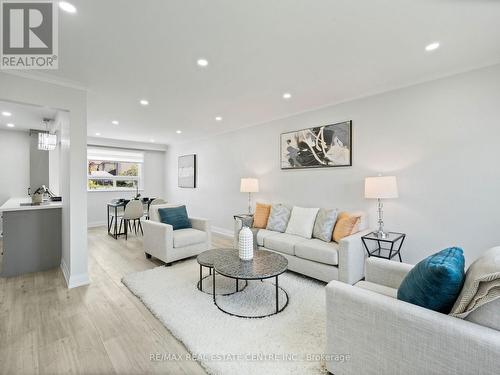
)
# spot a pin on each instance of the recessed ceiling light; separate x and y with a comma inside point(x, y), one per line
point(218, 118)
point(202, 62)
point(6, 114)
point(67, 7)
point(178, 131)
point(287, 95)
point(144, 102)
point(152, 140)
point(11, 125)
point(98, 134)
point(115, 122)
point(431, 47)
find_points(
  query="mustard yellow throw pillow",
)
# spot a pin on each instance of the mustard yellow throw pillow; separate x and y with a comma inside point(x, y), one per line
point(261, 215)
point(345, 226)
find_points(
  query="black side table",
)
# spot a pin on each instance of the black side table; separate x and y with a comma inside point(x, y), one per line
point(246, 219)
point(381, 250)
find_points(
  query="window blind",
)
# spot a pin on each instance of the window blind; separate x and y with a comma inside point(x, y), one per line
point(115, 154)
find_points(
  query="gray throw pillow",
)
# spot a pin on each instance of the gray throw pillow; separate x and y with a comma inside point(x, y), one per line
point(278, 218)
point(323, 226)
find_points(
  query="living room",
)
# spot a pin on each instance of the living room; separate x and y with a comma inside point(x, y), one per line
point(239, 187)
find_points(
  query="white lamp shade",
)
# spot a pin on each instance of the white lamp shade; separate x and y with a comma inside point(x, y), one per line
point(249, 185)
point(381, 187)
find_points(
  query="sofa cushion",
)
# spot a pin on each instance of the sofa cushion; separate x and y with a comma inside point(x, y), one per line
point(377, 288)
point(177, 217)
point(261, 215)
point(318, 251)
point(435, 282)
point(262, 234)
point(278, 218)
point(283, 242)
point(301, 221)
point(363, 220)
point(188, 236)
point(345, 226)
point(323, 226)
point(486, 315)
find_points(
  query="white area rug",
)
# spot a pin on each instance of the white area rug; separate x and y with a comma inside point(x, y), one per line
point(290, 342)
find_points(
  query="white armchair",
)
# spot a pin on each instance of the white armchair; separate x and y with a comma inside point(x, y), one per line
point(379, 334)
point(162, 242)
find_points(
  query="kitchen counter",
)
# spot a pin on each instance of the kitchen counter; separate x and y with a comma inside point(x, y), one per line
point(32, 237)
point(14, 204)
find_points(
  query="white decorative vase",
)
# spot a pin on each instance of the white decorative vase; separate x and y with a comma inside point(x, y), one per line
point(245, 244)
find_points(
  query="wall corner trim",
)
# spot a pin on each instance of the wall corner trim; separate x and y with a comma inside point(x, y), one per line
point(76, 280)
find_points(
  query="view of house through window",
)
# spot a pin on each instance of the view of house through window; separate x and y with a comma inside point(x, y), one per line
point(110, 169)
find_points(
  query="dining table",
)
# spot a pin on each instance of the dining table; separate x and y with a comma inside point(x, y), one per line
point(118, 205)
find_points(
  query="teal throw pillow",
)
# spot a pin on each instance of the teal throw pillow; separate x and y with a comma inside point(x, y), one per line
point(177, 217)
point(436, 281)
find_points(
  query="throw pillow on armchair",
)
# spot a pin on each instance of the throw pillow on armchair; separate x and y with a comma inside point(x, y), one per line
point(435, 282)
point(177, 217)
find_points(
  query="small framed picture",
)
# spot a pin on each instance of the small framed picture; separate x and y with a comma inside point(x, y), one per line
point(187, 171)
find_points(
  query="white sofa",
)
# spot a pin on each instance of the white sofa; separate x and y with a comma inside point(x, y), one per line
point(168, 245)
point(315, 258)
point(383, 335)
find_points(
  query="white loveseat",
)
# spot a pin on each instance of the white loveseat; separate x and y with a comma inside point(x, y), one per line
point(383, 335)
point(315, 258)
point(168, 245)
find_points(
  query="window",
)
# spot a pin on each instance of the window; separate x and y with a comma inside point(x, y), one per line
point(114, 169)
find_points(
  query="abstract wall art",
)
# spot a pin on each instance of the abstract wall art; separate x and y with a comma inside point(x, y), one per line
point(318, 147)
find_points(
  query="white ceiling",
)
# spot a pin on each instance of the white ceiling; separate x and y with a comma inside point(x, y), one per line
point(24, 117)
point(321, 51)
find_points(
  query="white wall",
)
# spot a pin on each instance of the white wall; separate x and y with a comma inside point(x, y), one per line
point(441, 139)
point(153, 184)
point(154, 174)
point(14, 87)
point(15, 161)
point(54, 164)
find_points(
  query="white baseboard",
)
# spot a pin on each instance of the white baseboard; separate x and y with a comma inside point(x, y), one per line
point(96, 224)
point(76, 280)
point(65, 271)
point(223, 232)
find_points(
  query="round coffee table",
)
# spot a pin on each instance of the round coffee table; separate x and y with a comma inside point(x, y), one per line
point(206, 259)
point(264, 265)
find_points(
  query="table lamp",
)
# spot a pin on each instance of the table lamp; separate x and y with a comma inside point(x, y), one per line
point(381, 187)
point(249, 185)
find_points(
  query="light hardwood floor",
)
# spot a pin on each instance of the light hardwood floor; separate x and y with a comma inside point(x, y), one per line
point(101, 328)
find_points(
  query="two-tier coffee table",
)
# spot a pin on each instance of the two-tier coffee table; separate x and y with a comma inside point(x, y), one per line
point(264, 265)
point(206, 260)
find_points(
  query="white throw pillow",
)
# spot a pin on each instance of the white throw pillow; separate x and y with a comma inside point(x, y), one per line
point(301, 221)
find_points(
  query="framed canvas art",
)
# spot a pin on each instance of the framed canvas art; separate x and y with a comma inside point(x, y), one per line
point(187, 171)
point(318, 147)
